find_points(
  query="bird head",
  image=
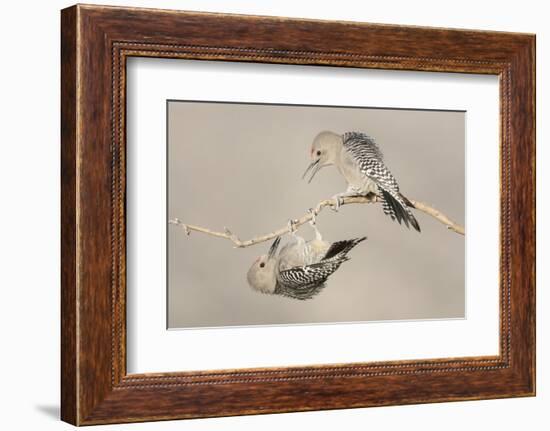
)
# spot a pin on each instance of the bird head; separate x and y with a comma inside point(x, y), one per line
point(323, 152)
point(262, 274)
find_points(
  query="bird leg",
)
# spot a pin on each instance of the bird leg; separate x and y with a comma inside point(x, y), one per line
point(338, 198)
point(313, 223)
point(292, 226)
point(301, 242)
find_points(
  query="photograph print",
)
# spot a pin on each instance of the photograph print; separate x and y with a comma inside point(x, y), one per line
point(299, 214)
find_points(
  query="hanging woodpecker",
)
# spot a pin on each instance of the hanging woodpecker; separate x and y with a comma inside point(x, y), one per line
point(300, 269)
point(360, 162)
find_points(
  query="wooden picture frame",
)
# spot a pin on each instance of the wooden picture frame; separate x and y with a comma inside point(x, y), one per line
point(95, 43)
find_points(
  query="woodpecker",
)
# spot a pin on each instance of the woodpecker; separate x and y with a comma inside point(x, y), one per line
point(360, 161)
point(301, 268)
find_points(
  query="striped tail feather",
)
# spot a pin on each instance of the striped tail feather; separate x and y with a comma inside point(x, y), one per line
point(397, 207)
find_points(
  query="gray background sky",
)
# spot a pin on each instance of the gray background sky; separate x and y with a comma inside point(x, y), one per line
point(240, 166)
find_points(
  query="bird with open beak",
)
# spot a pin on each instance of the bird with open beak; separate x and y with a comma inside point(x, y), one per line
point(360, 162)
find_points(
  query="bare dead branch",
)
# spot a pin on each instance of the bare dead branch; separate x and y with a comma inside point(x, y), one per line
point(439, 216)
point(227, 234)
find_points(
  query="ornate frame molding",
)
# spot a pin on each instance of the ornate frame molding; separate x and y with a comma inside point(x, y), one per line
point(96, 41)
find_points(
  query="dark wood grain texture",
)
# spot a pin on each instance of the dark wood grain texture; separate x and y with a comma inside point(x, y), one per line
point(96, 41)
point(69, 366)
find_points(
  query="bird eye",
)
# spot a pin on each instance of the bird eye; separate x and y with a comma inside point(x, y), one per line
point(262, 265)
point(318, 152)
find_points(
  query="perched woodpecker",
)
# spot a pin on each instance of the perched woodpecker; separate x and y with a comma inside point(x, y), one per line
point(300, 269)
point(360, 161)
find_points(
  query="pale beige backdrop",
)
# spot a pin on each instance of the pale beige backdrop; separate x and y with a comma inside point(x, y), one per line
point(240, 166)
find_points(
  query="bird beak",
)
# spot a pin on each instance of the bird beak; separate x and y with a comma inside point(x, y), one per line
point(315, 166)
point(273, 248)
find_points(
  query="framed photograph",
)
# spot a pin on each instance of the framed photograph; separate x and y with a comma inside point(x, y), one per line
point(317, 215)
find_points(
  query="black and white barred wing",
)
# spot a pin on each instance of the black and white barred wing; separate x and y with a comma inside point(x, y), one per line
point(300, 277)
point(304, 282)
point(370, 162)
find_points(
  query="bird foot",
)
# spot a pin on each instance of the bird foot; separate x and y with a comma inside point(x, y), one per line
point(373, 197)
point(313, 214)
point(292, 226)
point(337, 203)
point(313, 223)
